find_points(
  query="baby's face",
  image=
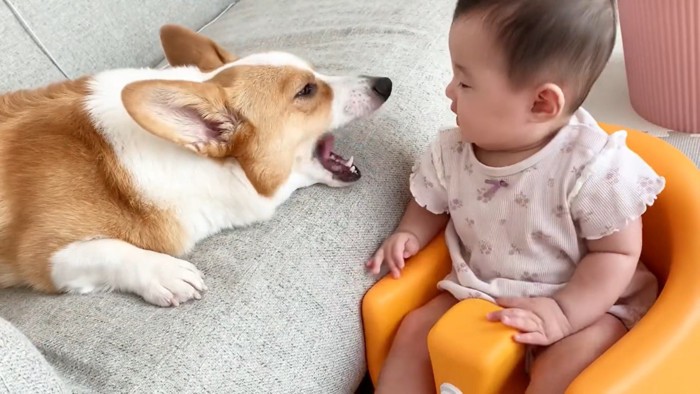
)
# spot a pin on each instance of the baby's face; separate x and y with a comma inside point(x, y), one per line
point(490, 112)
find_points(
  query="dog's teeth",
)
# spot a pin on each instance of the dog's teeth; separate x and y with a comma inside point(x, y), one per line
point(350, 161)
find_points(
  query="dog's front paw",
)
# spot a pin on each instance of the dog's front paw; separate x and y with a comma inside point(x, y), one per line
point(169, 281)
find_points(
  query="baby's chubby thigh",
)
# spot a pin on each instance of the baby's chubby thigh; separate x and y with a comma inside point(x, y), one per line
point(556, 366)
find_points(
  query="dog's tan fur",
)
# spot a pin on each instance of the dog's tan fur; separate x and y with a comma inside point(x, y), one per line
point(250, 127)
point(87, 193)
point(60, 182)
point(182, 47)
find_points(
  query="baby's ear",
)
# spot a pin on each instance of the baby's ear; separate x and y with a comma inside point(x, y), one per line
point(549, 102)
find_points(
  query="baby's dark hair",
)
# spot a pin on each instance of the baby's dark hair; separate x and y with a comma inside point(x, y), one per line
point(569, 41)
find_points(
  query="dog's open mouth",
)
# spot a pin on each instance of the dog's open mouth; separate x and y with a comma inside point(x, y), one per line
point(342, 169)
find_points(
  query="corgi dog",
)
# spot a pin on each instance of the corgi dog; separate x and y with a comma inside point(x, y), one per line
point(105, 180)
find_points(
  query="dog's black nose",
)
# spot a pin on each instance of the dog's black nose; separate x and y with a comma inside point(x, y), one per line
point(382, 86)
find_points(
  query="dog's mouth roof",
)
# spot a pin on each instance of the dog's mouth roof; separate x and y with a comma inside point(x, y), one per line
point(342, 169)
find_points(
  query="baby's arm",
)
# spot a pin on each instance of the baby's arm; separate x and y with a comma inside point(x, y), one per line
point(601, 277)
point(417, 227)
point(598, 282)
point(426, 213)
point(420, 222)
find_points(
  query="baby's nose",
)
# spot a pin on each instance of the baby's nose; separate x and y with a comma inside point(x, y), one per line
point(449, 90)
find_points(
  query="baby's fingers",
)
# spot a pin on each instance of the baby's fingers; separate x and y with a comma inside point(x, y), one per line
point(393, 268)
point(532, 338)
point(391, 261)
point(397, 251)
point(520, 319)
point(495, 316)
point(375, 263)
point(521, 323)
point(411, 248)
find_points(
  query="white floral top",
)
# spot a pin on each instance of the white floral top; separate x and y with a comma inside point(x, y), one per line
point(519, 230)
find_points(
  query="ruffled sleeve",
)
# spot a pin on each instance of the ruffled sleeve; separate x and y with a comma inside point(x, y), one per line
point(613, 190)
point(427, 180)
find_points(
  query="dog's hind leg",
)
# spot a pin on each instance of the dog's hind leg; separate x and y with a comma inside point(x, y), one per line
point(111, 264)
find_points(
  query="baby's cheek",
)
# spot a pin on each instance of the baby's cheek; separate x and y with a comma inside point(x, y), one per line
point(468, 119)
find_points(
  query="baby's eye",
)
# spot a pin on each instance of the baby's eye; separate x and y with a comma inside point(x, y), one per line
point(464, 86)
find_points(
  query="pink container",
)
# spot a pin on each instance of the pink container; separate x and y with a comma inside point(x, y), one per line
point(661, 40)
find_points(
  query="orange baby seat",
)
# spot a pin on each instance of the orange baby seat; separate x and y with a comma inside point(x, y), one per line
point(660, 354)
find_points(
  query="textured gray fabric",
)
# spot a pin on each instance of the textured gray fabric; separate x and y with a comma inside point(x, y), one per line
point(23, 65)
point(22, 367)
point(282, 314)
point(686, 143)
point(87, 36)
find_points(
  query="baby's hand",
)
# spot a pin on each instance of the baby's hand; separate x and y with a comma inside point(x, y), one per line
point(395, 250)
point(540, 320)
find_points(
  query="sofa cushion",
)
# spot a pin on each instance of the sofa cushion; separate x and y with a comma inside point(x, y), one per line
point(22, 367)
point(283, 311)
point(22, 63)
point(87, 36)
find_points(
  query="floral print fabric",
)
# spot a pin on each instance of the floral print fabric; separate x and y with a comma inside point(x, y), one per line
point(520, 230)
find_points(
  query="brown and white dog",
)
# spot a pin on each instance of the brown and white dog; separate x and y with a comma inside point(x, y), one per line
point(104, 179)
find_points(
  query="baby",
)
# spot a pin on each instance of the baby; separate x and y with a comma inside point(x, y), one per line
point(542, 208)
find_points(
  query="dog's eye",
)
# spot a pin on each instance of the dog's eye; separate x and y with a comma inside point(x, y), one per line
point(308, 90)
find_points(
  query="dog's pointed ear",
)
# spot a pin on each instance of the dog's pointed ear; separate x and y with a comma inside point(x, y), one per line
point(184, 47)
point(194, 115)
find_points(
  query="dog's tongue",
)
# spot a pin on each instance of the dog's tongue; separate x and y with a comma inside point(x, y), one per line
point(325, 146)
point(342, 169)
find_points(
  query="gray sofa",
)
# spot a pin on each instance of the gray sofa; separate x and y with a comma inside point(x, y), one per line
point(282, 313)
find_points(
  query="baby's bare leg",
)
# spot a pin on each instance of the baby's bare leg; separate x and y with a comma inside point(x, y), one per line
point(558, 365)
point(407, 368)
